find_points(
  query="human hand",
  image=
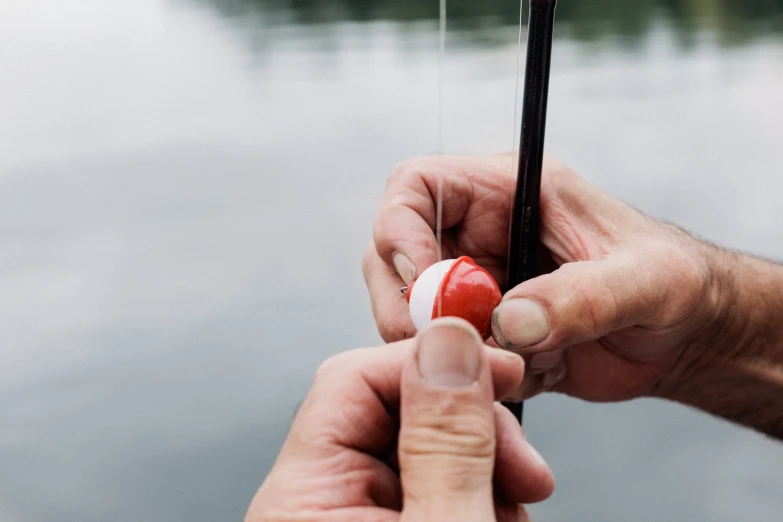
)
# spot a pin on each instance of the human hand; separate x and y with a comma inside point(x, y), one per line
point(629, 300)
point(458, 456)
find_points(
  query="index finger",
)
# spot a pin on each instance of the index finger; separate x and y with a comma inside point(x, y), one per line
point(356, 393)
point(407, 216)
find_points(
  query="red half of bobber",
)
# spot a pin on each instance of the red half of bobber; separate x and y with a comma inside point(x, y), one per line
point(466, 290)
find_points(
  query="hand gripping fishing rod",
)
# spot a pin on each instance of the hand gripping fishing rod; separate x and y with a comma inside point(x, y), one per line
point(523, 234)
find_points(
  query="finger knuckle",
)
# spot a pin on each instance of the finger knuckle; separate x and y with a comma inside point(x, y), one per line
point(407, 169)
point(391, 240)
point(336, 365)
point(450, 429)
point(553, 166)
point(391, 330)
point(557, 172)
point(421, 243)
point(389, 237)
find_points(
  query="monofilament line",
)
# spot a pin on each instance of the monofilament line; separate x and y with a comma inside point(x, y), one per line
point(439, 177)
point(514, 161)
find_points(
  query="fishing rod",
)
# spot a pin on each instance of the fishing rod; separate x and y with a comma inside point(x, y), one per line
point(459, 287)
point(524, 230)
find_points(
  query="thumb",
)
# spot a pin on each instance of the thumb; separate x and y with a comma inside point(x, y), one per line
point(586, 300)
point(447, 426)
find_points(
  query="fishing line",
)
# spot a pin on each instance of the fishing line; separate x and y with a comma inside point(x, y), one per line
point(525, 218)
point(439, 177)
point(516, 89)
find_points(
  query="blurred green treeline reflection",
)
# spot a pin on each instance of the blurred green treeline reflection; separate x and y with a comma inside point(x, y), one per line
point(733, 21)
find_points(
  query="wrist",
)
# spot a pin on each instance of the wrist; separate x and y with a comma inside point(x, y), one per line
point(743, 312)
point(732, 365)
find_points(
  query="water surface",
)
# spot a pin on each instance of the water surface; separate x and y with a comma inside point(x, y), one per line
point(187, 186)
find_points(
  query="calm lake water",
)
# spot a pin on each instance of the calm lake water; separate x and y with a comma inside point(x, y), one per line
point(187, 186)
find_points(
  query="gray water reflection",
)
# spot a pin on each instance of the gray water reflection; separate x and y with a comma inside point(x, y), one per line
point(186, 191)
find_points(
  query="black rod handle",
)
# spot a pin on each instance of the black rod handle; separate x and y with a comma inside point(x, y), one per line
point(523, 233)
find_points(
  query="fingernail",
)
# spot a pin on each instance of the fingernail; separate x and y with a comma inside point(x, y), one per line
point(519, 322)
point(554, 376)
point(541, 362)
point(449, 351)
point(404, 267)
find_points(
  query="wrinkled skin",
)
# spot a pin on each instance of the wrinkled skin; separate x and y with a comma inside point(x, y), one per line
point(377, 441)
point(627, 297)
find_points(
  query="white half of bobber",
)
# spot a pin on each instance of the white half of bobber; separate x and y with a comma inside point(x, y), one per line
point(424, 293)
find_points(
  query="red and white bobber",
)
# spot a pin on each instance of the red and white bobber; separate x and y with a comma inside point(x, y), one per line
point(454, 287)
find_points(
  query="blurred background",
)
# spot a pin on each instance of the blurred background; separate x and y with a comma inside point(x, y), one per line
point(187, 187)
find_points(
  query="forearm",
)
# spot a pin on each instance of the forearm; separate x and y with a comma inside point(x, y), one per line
point(735, 370)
